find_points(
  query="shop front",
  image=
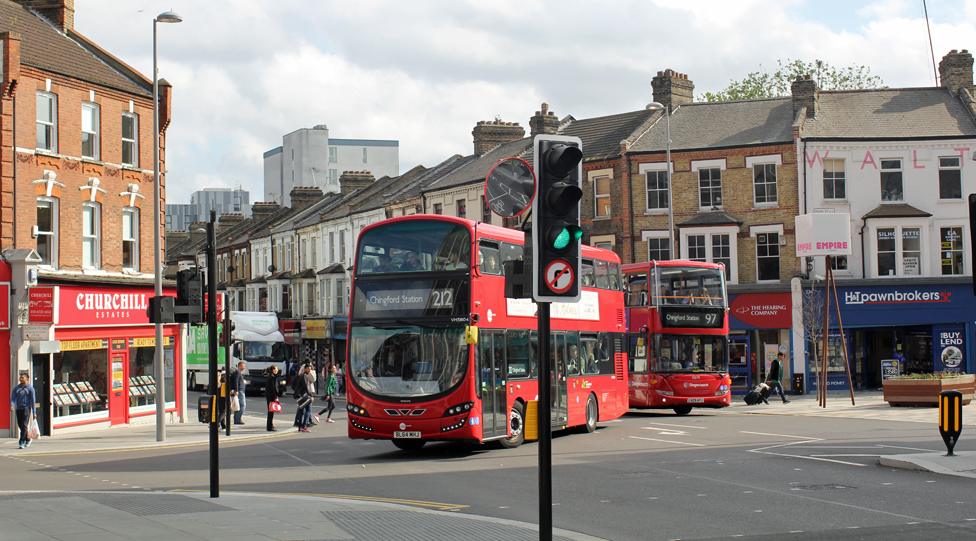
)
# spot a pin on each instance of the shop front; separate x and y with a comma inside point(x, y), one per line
point(759, 328)
point(103, 372)
point(916, 327)
point(316, 343)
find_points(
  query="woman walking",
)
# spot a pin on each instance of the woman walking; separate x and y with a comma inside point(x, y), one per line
point(331, 385)
point(271, 394)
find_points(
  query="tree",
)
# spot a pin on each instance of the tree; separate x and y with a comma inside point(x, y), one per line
point(762, 84)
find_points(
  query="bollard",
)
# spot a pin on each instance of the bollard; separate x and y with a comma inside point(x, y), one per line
point(950, 418)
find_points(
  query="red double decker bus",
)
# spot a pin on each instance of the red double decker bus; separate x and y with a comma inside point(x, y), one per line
point(678, 335)
point(437, 352)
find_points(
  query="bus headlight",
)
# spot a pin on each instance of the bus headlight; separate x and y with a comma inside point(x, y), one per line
point(352, 408)
point(460, 408)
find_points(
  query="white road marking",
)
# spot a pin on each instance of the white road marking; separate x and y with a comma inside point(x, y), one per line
point(849, 456)
point(680, 426)
point(808, 438)
point(282, 451)
point(666, 431)
point(909, 448)
point(668, 441)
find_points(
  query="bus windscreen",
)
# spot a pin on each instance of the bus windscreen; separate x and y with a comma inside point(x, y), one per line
point(690, 353)
point(414, 246)
point(689, 285)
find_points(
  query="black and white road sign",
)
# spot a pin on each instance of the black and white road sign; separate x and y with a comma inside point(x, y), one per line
point(559, 276)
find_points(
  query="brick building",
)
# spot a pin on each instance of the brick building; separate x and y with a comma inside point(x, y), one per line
point(76, 184)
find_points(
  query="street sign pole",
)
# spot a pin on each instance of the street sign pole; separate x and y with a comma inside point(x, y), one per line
point(212, 325)
point(545, 425)
point(227, 342)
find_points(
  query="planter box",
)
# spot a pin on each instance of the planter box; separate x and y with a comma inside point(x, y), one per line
point(925, 392)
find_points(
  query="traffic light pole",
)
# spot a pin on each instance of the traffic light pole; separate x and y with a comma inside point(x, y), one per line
point(227, 342)
point(545, 425)
point(212, 327)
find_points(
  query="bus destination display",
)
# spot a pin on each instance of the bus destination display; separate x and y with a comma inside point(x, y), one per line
point(688, 316)
point(410, 299)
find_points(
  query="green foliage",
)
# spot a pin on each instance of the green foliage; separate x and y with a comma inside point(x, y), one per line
point(762, 84)
point(930, 376)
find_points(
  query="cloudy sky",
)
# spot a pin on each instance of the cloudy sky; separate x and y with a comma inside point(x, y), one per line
point(245, 72)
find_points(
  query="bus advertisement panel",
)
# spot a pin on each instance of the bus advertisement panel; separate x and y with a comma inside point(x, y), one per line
point(437, 352)
point(677, 320)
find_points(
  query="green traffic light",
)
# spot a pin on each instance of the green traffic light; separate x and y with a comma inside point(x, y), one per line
point(562, 239)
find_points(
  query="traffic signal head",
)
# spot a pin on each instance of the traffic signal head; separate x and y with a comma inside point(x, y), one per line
point(189, 294)
point(556, 231)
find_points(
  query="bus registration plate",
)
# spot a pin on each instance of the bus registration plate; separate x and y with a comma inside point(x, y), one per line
point(412, 434)
point(696, 400)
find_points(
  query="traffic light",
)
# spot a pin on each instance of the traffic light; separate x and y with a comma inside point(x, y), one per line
point(556, 230)
point(189, 295)
point(161, 310)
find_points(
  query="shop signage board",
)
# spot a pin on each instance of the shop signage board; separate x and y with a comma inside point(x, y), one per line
point(949, 351)
point(823, 234)
point(42, 305)
point(78, 306)
point(37, 332)
point(315, 329)
point(762, 310)
point(890, 368)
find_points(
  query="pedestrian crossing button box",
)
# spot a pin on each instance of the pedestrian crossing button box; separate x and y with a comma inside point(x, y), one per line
point(203, 408)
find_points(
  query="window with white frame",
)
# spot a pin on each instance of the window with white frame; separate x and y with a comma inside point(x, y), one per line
point(340, 296)
point(722, 253)
point(710, 187)
point(333, 155)
point(697, 250)
point(834, 179)
point(91, 235)
point(310, 298)
point(658, 249)
point(891, 181)
point(838, 263)
point(130, 238)
point(47, 121)
point(332, 247)
point(342, 247)
point(601, 196)
point(89, 131)
point(951, 250)
point(656, 183)
point(47, 230)
point(950, 177)
point(764, 183)
point(899, 250)
point(767, 256)
point(130, 139)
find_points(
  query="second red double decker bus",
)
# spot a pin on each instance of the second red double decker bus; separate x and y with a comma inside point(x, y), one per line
point(678, 335)
point(437, 352)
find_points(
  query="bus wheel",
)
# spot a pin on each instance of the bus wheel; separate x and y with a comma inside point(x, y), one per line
point(592, 414)
point(409, 445)
point(517, 424)
point(682, 410)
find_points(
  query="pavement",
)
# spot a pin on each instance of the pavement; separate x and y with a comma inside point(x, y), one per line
point(240, 516)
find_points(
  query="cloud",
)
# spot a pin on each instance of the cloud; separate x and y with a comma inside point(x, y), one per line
point(245, 72)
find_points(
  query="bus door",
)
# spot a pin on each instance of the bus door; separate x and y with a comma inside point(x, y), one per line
point(558, 398)
point(491, 384)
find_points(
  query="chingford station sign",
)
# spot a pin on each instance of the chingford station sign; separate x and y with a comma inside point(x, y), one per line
point(823, 234)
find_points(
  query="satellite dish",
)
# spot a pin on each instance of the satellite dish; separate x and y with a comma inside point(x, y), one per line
point(510, 187)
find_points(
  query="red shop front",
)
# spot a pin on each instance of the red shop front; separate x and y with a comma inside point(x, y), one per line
point(104, 372)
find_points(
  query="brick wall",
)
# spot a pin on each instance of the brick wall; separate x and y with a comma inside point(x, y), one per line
point(737, 195)
point(74, 172)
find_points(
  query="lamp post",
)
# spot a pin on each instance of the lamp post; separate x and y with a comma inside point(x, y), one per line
point(164, 17)
point(657, 106)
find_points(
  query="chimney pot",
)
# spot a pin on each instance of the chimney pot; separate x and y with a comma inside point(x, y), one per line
point(672, 89)
point(489, 134)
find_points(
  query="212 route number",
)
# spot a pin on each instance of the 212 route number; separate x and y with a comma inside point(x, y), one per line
point(442, 298)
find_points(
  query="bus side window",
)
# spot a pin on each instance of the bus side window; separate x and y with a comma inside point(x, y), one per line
point(489, 259)
point(602, 274)
point(511, 252)
point(588, 352)
point(638, 353)
point(573, 362)
point(604, 353)
point(533, 353)
point(589, 280)
point(614, 276)
point(637, 290)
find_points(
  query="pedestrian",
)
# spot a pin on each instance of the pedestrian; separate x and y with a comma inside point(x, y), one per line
point(222, 402)
point(271, 394)
point(331, 385)
point(775, 375)
point(22, 400)
point(304, 384)
point(237, 388)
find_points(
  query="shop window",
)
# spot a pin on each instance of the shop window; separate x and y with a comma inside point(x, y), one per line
point(47, 230)
point(891, 181)
point(886, 251)
point(142, 373)
point(950, 178)
point(899, 251)
point(911, 251)
point(951, 240)
point(130, 238)
point(80, 382)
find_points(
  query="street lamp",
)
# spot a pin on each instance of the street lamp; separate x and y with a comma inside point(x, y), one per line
point(657, 106)
point(164, 17)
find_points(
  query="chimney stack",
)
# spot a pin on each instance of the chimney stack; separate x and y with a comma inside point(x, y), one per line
point(198, 232)
point(672, 89)
point(805, 94)
point(543, 122)
point(261, 209)
point(956, 71)
point(303, 196)
point(489, 134)
point(61, 13)
point(228, 220)
point(351, 181)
